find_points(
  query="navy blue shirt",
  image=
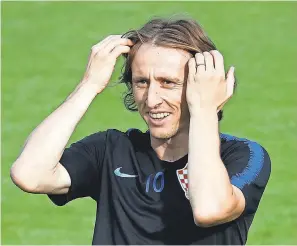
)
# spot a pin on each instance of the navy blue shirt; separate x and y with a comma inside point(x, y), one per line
point(143, 200)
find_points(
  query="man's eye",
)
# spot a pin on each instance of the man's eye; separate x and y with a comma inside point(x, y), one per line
point(141, 83)
point(168, 83)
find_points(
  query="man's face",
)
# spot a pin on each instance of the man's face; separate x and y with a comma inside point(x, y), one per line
point(159, 78)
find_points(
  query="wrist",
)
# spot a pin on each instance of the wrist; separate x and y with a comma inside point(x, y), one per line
point(204, 113)
point(88, 88)
point(83, 95)
point(204, 123)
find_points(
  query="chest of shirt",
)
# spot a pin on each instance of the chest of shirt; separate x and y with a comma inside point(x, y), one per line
point(142, 181)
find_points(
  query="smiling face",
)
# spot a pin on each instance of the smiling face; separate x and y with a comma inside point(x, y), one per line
point(159, 77)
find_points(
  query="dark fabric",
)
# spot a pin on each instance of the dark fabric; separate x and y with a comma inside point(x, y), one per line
point(141, 200)
point(83, 161)
point(248, 165)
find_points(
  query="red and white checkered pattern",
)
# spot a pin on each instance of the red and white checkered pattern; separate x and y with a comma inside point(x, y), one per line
point(182, 175)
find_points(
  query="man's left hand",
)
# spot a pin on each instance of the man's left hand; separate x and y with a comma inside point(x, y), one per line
point(207, 85)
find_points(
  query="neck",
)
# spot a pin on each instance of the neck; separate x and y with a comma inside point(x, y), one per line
point(171, 149)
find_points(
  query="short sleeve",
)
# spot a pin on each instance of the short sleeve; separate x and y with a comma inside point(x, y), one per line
point(249, 167)
point(83, 161)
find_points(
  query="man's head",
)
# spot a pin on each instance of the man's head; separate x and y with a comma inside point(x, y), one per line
point(155, 72)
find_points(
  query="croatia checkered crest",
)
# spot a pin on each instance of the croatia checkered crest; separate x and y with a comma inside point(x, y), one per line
point(182, 176)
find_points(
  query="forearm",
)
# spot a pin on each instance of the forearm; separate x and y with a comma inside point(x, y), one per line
point(45, 145)
point(210, 189)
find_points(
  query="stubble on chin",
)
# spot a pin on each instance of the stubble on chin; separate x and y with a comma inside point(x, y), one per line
point(166, 134)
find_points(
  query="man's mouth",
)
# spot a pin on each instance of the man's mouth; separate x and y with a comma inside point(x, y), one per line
point(158, 116)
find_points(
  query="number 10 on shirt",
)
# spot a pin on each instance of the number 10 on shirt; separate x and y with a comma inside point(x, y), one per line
point(153, 181)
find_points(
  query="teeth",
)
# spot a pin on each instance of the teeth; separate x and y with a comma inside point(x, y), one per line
point(159, 115)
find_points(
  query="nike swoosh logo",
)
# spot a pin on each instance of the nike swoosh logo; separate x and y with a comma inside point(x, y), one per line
point(117, 172)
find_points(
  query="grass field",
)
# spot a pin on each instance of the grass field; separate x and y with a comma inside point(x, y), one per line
point(45, 46)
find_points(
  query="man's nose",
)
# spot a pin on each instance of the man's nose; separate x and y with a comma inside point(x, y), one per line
point(154, 98)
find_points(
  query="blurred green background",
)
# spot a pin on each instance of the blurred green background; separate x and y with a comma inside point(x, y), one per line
point(45, 47)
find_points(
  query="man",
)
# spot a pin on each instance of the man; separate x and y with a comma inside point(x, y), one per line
point(182, 181)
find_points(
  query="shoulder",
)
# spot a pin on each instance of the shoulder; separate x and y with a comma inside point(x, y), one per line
point(231, 144)
point(140, 140)
point(109, 134)
point(245, 159)
point(114, 136)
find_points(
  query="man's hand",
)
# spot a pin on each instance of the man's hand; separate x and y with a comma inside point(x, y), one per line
point(34, 173)
point(214, 200)
point(207, 86)
point(103, 59)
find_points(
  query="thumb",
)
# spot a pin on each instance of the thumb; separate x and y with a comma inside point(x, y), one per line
point(230, 82)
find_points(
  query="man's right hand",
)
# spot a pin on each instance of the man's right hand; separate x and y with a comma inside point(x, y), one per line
point(102, 60)
point(38, 168)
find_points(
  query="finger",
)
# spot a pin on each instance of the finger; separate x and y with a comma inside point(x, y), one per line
point(222, 105)
point(230, 87)
point(218, 61)
point(120, 49)
point(208, 61)
point(192, 69)
point(230, 82)
point(113, 43)
point(200, 63)
point(102, 44)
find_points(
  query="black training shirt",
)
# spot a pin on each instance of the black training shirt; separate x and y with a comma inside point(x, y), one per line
point(143, 200)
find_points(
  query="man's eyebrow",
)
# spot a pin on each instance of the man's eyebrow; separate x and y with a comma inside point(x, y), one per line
point(173, 79)
point(162, 78)
point(139, 78)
